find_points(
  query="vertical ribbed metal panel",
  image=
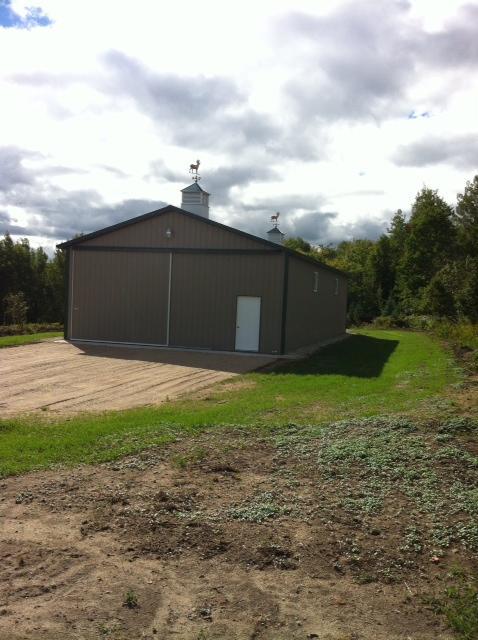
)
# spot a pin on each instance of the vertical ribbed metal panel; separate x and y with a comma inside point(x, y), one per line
point(187, 232)
point(119, 296)
point(204, 295)
point(313, 317)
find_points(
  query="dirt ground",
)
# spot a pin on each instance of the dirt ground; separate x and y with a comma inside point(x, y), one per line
point(192, 542)
point(61, 377)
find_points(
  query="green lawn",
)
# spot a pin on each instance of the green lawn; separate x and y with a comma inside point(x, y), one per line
point(28, 338)
point(374, 372)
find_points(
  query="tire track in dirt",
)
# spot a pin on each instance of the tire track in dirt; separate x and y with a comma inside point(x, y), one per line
point(136, 389)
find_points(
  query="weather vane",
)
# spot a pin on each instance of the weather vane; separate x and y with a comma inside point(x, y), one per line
point(193, 170)
point(275, 219)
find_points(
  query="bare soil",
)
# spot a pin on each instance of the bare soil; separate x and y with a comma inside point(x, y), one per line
point(59, 377)
point(191, 542)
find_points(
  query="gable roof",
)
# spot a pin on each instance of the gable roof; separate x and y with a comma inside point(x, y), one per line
point(172, 209)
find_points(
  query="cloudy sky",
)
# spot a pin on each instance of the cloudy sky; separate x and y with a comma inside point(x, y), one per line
point(334, 113)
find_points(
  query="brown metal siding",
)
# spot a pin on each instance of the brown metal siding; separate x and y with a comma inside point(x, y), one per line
point(313, 317)
point(187, 233)
point(204, 293)
point(119, 296)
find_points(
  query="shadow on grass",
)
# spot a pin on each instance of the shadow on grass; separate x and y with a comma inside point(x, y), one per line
point(359, 356)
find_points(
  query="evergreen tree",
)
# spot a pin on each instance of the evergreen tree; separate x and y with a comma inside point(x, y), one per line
point(7, 271)
point(397, 232)
point(56, 287)
point(466, 295)
point(382, 272)
point(355, 258)
point(39, 298)
point(467, 219)
point(16, 308)
point(28, 273)
point(439, 296)
point(429, 245)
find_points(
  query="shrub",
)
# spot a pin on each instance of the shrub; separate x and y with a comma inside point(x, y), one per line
point(461, 334)
point(384, 322)
point(16, 308)
point(391, 322)
point(25, 329)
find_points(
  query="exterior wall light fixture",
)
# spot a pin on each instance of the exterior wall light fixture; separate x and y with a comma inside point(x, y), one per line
point(169, 233)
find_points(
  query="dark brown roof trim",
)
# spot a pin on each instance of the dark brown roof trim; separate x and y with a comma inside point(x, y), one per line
point(170, 208)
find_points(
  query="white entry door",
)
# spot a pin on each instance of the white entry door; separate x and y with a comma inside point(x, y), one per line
point(248, 321)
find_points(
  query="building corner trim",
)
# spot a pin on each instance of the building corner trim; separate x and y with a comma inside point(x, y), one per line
point(66, 304)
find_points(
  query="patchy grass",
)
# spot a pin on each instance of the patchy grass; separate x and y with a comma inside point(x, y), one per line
point(372, 373)
point(16, 341)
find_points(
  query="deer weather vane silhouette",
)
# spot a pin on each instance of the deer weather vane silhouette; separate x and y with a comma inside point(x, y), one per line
point(193, 170)
point(275, 219)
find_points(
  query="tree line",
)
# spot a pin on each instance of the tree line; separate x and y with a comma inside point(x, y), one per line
point(32, 285)
point(424, 265)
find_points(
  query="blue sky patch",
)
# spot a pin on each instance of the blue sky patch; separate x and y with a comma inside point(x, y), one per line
point(413, 115)
point(33, 18)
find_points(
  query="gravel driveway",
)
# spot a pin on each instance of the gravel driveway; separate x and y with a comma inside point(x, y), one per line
point(62, 377)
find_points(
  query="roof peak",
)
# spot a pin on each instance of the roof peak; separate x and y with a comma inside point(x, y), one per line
point(171, 207)
point(192, 188)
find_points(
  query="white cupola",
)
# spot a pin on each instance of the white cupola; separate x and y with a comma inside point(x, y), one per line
point(275, 234)
point(195, 200)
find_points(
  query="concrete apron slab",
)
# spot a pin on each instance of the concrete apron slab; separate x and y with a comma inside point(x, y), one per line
point(139, 345)
point(303, 352)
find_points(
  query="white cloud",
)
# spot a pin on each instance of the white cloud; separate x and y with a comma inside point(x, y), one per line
point(300, 107)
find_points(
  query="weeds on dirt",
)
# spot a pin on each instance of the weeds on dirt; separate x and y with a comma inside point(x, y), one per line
point(459, 604)
point(130, 600)
point(197, 454)
point(261, 508)
point(413, 540)
point(373, 461)
point(108, 628)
